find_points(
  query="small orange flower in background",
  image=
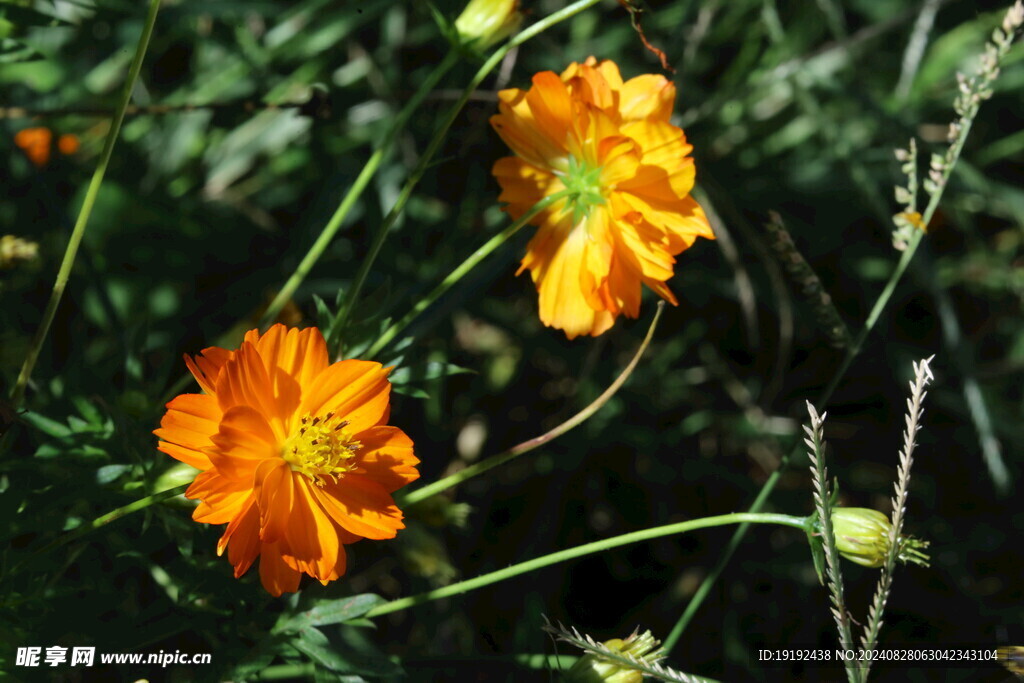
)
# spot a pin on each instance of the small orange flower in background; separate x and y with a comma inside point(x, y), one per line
point(629, 213)
point(36, 144)
point(295, 454)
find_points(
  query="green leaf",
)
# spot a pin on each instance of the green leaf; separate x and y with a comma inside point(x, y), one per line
point(424, 371)
point(331, 612)
point(109, 473)
point(46, 425)
point(356, 656)
point(25, 16)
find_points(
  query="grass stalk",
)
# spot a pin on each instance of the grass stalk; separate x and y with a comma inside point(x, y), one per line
point(64, 273)
point(527, 446)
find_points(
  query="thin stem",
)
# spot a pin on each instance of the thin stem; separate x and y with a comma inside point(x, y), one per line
point(576, 420)
point(111, 516)
point(583, 550)
point(541, 662)
point(435, 144)
point(354, 192)
point(18, 392)
point(876, 311)
point(474, 259)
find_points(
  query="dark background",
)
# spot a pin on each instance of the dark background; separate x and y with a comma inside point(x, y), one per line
point(204, 214)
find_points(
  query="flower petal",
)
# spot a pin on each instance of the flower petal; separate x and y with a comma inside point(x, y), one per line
point(276, 576)
point(312, 537)
point(274, 497)
point(361, 506)
point(188, 424)
point(206, 366)
point(387, 457)
point(244, 536)
point(244, 439)
point(358, 390)
point(243, 381)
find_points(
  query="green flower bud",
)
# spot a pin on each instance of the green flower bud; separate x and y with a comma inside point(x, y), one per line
point(862, 536)
point(592, 668)
point(486, 22)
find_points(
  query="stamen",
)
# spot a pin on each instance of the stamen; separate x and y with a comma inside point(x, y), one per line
point(321, 449)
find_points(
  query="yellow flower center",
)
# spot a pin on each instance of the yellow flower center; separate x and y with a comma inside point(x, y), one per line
point(321, 448)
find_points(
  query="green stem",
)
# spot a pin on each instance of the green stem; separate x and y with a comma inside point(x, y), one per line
point(435, 144)
point(538, 661)
point(501, 458)
point(18, 392)
point(111, 516)
point(354, 192)
point(583, 550)
point(475, 258)
point(876, 311)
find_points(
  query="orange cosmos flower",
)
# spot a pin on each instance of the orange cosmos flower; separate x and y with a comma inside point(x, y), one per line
point(608, 143)
point(295, 454)
point(35, 142)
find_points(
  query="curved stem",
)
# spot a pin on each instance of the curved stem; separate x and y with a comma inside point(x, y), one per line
point(354, 192)
point(435, 144)
point(18, 392)
point(876, 311)
point(475, 258)
point(527, 446)
point(586, 549)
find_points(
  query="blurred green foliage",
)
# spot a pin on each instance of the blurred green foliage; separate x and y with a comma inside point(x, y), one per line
point(791, 106)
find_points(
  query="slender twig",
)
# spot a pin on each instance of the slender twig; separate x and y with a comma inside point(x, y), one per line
point(18, 392)
point(471, 262)
point(960, 128)
point(912, 424)
point(583, 550)
point(527, 446)
point(111, 516)
point(356, 190)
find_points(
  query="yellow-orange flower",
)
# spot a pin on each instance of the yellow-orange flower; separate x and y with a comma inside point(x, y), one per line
point(629, 176)
point(295, 453)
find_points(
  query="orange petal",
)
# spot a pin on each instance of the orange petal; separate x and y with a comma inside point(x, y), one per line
point(186, 427)
point(244, 535)
point(302, 354)
point(312, 536)
point(361, 506)
point(650, 96)
point(276, 576)
point(358, 390)
point(195, 458)
point(243, 381)
point(244, 439)
point(222, 499)
point(274, 498)
point(387, 457)
point(206, 366)
point(562, 303)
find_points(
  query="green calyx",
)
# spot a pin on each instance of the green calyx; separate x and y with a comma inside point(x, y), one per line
point(584, 186)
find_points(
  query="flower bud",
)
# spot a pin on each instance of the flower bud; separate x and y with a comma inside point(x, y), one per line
point(14, 249)
point(486, 22)
point(592, 668)
point(862, 536)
